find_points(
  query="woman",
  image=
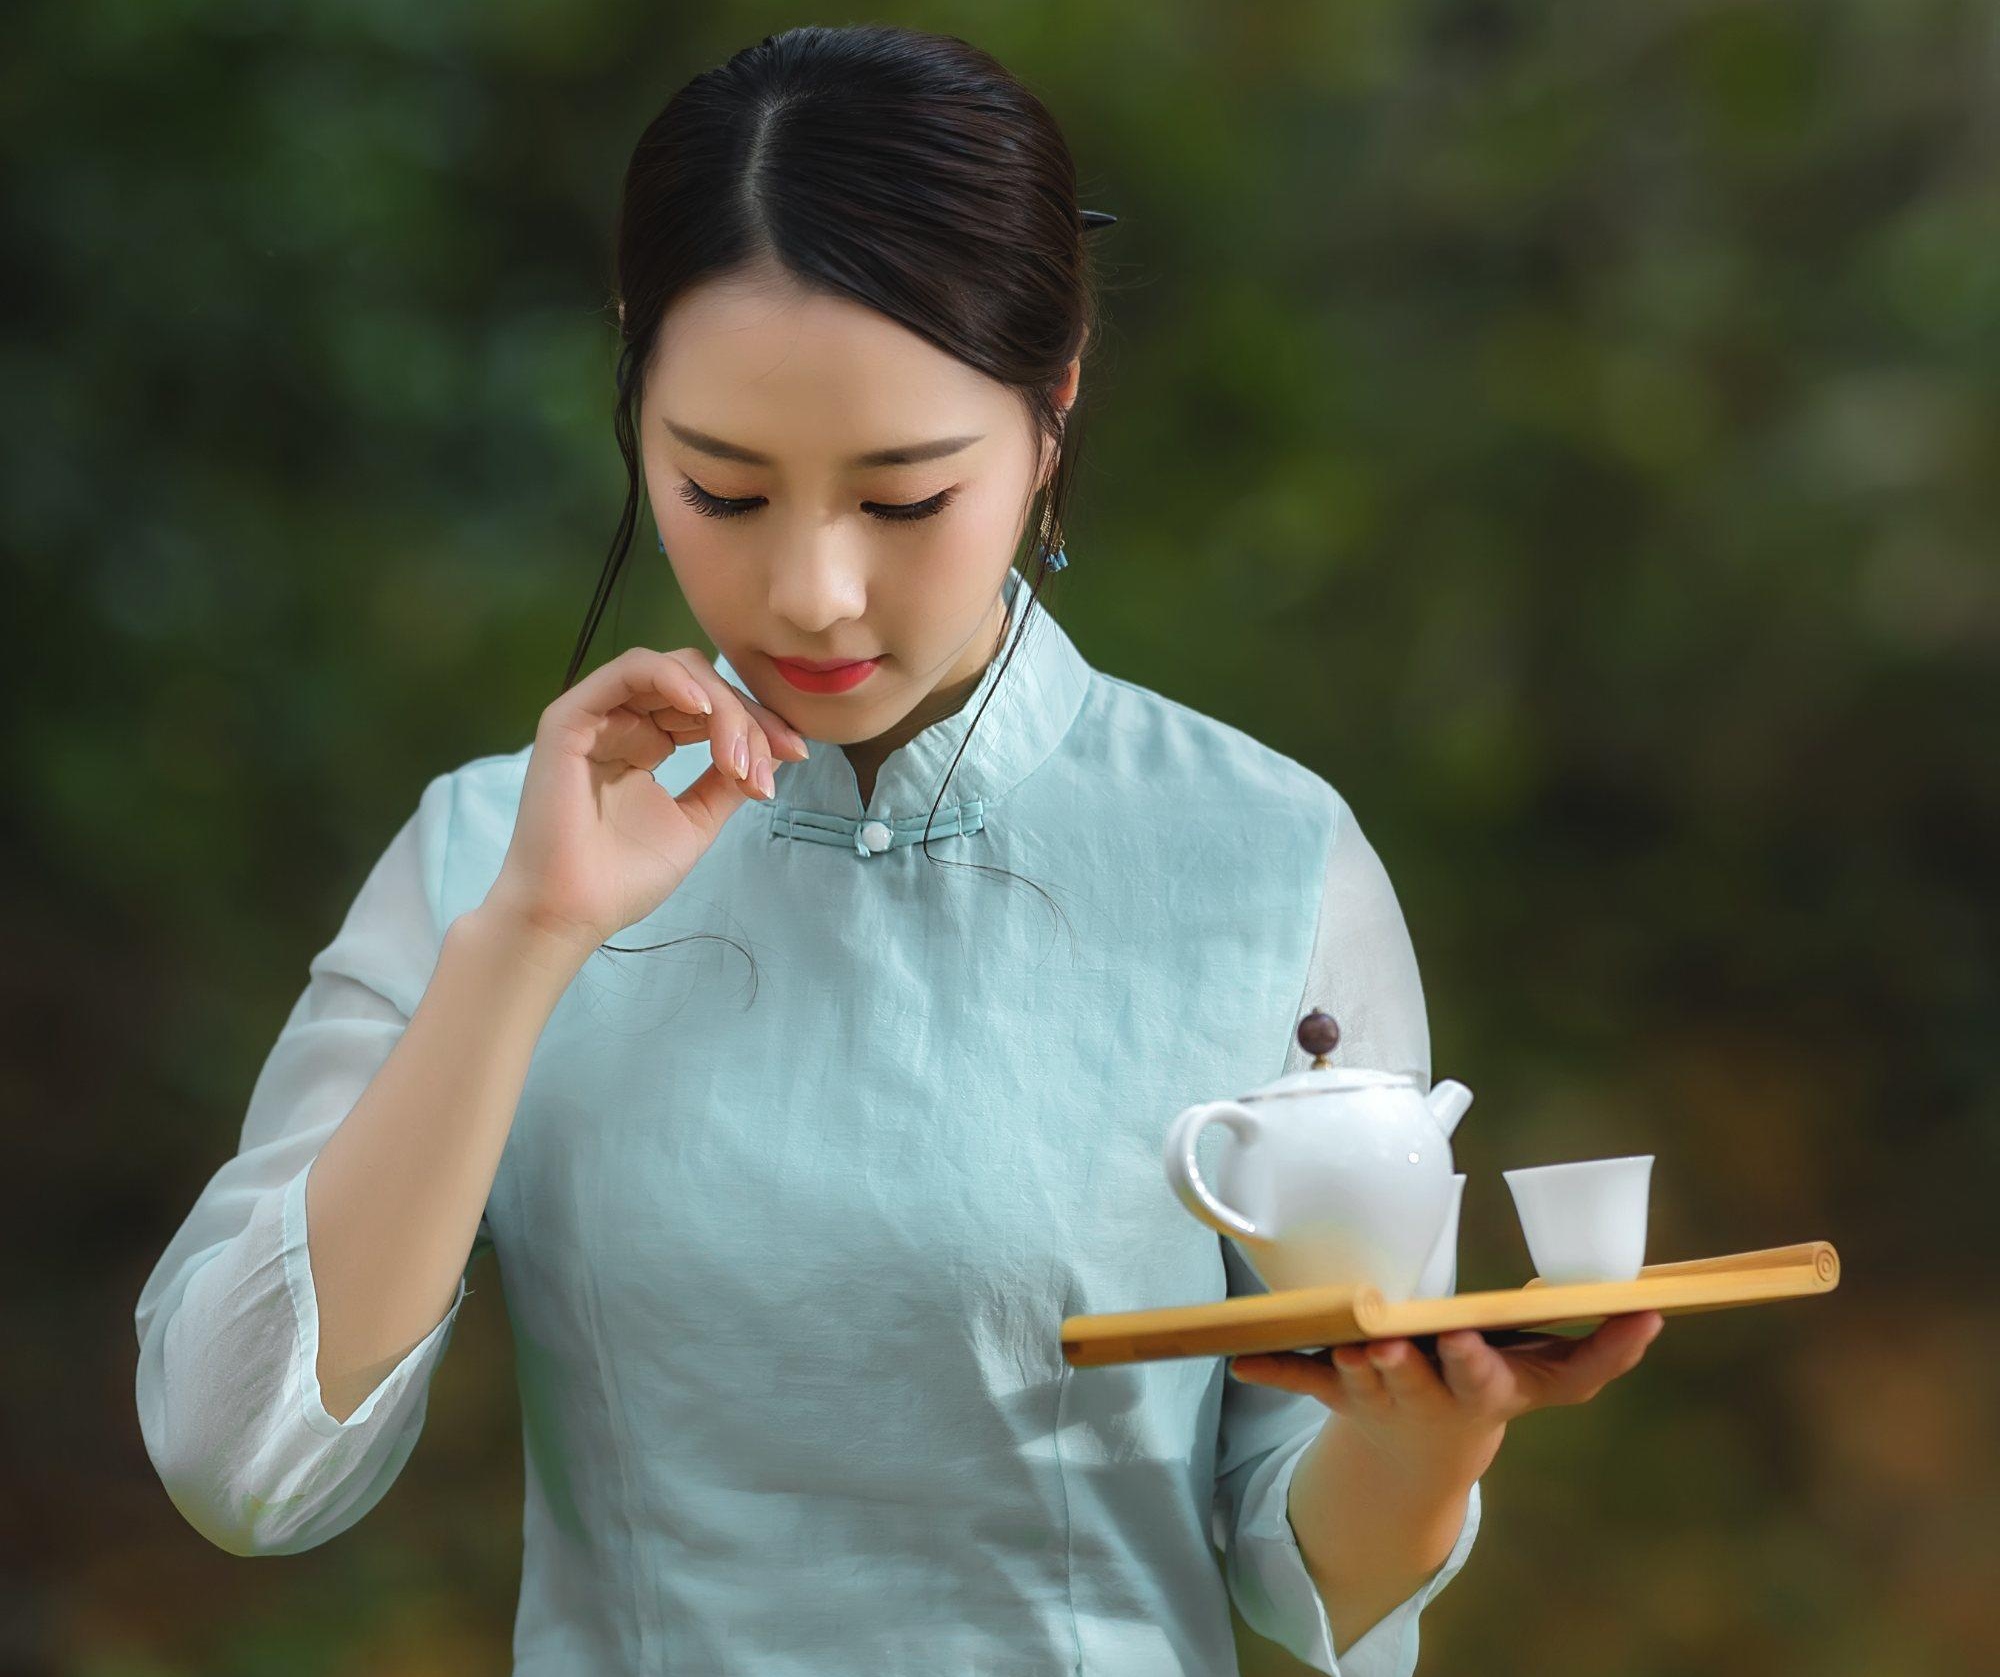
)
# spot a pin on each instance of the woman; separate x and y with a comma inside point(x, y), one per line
point(786, 1260)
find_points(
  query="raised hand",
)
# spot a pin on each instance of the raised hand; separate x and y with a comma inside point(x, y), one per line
point(598, 843)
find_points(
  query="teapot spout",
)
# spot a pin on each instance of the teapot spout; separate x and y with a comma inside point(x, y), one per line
point(1448, 1101)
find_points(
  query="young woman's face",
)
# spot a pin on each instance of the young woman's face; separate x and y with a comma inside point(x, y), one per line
point(811, 550)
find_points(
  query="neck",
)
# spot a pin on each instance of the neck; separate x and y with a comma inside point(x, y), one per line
point(946, 699)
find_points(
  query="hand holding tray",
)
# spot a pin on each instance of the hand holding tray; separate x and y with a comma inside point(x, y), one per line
point(1313, 1318)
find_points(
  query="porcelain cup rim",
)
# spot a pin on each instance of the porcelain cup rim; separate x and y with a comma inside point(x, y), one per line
point(1579, 1164)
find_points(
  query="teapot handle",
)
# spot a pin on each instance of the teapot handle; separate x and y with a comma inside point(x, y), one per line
point(1184, 1175)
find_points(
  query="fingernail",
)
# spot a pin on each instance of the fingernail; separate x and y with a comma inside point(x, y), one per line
point(764, 781)
point(742, 758)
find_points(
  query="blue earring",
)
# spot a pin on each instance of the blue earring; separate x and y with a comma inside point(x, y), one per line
point(1050, 540)
point(663, 544)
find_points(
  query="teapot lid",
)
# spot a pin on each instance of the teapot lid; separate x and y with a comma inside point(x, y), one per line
point(1317, 1080)
point(1319, 1035)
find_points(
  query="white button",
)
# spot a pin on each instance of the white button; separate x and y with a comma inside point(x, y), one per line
point(875, 834)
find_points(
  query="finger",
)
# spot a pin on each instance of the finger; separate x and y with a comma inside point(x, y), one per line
point(738, 741)
point(640, 679)
point(1407, 1375)
point(628, 736)
point(1620, 1341)
point(1359, 1377)
point(710, 800)
point(1474, 1372)
point(771, 737)
point(1613, 1349)
point(1289, 1372)
point(782, 734)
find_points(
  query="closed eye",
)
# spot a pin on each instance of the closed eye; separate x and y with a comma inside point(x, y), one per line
point(716, 506)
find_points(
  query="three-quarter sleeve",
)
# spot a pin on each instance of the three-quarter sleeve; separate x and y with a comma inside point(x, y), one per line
point(1363, 971)
point(228, 1321)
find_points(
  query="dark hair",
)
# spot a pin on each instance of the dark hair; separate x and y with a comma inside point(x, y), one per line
point(907, 170)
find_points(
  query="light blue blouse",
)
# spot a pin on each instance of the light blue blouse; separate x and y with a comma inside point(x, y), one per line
point(786, 1255)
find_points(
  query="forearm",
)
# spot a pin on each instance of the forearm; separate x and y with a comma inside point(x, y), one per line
point(1371, 1529)
point(394, 1199)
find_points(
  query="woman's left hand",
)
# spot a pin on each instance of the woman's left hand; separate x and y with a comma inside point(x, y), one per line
point(1458, 1411)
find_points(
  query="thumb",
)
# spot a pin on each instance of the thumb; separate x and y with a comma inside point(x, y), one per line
point(710, 800)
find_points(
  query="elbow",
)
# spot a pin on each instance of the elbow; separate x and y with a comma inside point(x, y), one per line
point(234, 1530)
point(236, 1521)
point(229, 1491)
point(235, 1429)
point(252, 1486)
point(234, 1515)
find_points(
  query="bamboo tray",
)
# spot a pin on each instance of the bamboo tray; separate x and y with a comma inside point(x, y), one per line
point(1317, 1318)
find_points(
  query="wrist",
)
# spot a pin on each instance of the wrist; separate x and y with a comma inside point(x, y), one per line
point(1454, 1460)
point(519, 939)
point(1419, 1461)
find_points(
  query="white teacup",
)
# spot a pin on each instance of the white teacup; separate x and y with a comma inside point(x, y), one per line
point(1585, 1220)
point(1440, 1275)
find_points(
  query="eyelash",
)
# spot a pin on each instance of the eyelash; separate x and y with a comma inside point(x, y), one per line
point(715, 506)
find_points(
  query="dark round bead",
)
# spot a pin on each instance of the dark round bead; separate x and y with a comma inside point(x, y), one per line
point(1318, 1033)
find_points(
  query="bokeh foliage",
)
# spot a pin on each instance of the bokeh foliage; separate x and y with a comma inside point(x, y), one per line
point(1571, 429)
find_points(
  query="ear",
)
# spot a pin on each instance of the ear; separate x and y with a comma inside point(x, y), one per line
point(1064, 396)
point(1065, 392)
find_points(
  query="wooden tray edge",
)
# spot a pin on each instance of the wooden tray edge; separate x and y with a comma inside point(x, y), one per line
point(1320, 1317)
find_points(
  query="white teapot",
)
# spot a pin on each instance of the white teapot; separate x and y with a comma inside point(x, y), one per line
point(1337, 1176)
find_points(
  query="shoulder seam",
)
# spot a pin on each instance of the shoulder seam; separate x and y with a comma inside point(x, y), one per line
point(1202, 716)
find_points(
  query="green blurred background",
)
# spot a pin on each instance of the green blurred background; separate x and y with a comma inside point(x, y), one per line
point(1571, 429)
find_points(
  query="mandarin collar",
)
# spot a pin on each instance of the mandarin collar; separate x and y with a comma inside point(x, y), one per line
point(819, 800)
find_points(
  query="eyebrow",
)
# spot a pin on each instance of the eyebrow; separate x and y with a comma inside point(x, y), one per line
point(901, 454)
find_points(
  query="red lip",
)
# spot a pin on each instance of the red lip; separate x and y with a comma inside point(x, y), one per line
point(815, 677)
point(819, 666)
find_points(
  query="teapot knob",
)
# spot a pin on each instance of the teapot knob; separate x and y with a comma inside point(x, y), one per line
point(1319, 1035)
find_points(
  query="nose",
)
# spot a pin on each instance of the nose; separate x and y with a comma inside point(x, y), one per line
point(816, 587)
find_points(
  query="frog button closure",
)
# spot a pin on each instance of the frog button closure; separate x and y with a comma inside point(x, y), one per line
point(871, 838)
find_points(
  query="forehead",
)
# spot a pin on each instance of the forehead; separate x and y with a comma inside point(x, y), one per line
point(805, 375)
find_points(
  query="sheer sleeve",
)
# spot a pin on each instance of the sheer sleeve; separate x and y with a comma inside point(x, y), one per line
point(1364, 972)
point(228, 1323)
point(1364, 969)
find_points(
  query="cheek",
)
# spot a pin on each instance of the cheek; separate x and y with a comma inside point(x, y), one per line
point(717, 586)
point(957, 554)
point(989, 514)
